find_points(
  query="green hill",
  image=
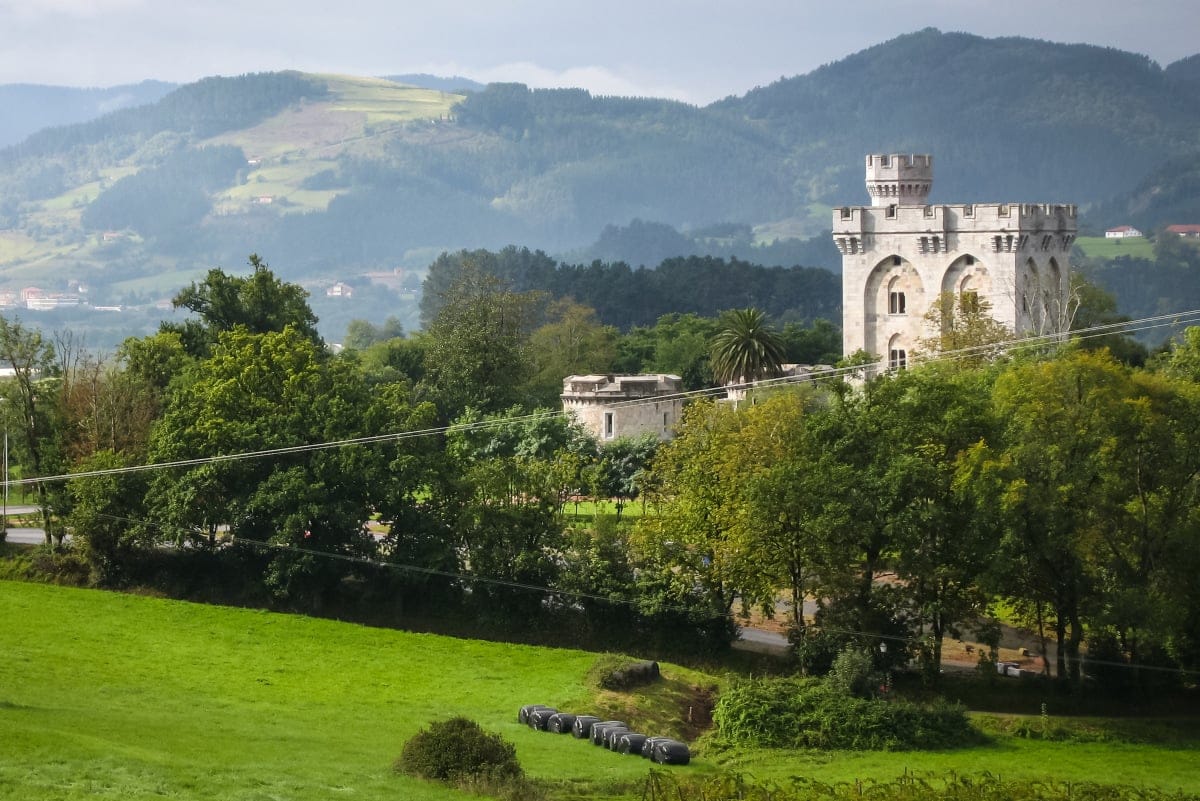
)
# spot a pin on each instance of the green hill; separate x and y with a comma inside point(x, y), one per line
point(112, 696)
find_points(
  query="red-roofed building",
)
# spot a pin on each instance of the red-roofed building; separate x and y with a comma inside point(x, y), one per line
point(1189, 231)
point(1121, 232)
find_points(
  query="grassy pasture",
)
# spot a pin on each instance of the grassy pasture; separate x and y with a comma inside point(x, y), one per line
point(1099, 247)
point(105, 695)
point(117, 696)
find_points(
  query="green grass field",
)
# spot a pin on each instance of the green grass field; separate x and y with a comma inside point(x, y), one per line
point(1099, 247)
point(104, 695)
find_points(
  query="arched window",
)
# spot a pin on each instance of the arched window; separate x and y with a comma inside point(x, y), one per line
point(897, 354)
point(896, 302)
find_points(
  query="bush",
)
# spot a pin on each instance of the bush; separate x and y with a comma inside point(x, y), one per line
point(459, 750)
point(805, 713)
point(853, 673)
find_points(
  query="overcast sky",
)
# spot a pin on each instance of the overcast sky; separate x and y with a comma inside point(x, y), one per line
point(699, 50)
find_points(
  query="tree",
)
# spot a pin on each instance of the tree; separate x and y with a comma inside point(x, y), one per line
point(361, 334)
point(106, 514)
point(31, 402)
point(622, 467)
point(746, 348)
point(573, 342)
point(258, 392)
point(259, 302)
point(966, 331)
point(478, 344)
point(1044, 479)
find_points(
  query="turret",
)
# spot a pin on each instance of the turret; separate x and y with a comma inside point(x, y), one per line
point(896, 179)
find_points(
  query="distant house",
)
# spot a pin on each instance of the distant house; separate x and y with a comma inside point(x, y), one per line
point(611, 406)
point(1121, 232)
point(1188, 231)
point(340, 290)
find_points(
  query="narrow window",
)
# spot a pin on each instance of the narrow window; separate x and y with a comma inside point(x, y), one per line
point(968, 211)
point(898, 359)
point(896, 261)
point(608, 425)
point(896, 303)
point(845, 213)
point(891, 212)
point(970, 260)
point(666, 420)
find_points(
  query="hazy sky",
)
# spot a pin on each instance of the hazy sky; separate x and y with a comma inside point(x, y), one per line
point(697, 51)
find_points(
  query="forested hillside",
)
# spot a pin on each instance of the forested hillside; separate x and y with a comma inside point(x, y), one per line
point(336, 178)
point(1006, 119)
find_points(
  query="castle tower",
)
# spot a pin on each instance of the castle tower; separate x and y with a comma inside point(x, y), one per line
point(900, 254)
point(899, 180)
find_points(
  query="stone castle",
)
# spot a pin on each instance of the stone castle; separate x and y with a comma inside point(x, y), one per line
point(900, 254)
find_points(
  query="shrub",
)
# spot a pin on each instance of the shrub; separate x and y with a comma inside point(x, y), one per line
point(853, 673)
point(804, 713)
point(459, 750)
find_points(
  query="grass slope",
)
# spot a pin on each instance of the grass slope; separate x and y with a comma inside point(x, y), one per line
point(105, 695)
point(115, 696)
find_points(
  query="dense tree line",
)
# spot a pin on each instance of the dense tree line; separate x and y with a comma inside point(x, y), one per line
point(626, 297)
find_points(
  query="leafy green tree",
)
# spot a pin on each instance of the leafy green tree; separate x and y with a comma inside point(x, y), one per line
point(1045, 482)
point(573, 342)
point(259, 302)
point(31, 403)
point(361, 334)
point(965, 329)
point(746, 348)
point(819, 343)
point(478, 345)
point(795, 494)
point(257, 392)
point(692, 542)
point(106, 515)
point(943, 545)
point(622, 467)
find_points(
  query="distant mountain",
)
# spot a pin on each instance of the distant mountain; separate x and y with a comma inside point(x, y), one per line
point(334, 178)
point(29, 108)
point(1006, 119)
point(456, 83)
point(1185, 70)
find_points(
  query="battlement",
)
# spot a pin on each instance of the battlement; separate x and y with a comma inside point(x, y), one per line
point(898, 178)
point(970, 216)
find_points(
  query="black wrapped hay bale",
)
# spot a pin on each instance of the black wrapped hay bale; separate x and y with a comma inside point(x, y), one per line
point(523, 715)
point(582, 728)
point(560, 723)
point(630, 674)
point(540, 718)
point(670, 752)
point(630, 743)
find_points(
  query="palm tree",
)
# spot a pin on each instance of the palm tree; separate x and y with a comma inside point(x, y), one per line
point(746, 348)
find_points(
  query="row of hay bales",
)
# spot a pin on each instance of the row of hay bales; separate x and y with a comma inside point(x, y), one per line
point(614, 735)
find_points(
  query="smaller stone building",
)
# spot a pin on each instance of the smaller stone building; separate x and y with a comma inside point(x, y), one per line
point(611, 406)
